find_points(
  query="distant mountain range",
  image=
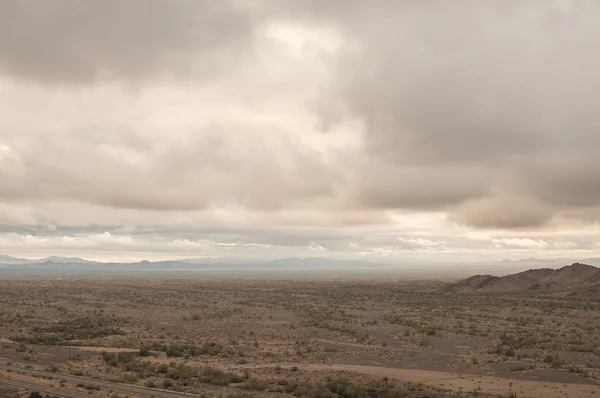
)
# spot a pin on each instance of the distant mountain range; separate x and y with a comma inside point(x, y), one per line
point(55, 259)
point(226, 266)
point(577, 279)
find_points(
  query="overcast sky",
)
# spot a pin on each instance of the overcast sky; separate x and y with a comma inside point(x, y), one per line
point(402, 131)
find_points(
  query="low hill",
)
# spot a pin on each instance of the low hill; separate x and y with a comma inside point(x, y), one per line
point(574, 280)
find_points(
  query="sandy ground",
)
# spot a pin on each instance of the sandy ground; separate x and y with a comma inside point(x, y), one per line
point(465, 382)
point(105, 349)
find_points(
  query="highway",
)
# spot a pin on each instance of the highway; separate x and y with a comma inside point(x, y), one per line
point(43, 389)
point(85, 380)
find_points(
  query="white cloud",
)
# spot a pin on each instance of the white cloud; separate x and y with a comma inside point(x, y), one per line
point(523, 243)
point(565, 245)
point(316, 247)
point(477, 236)
point(422, 243)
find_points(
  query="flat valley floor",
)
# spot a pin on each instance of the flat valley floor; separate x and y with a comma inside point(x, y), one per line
point(325, 338)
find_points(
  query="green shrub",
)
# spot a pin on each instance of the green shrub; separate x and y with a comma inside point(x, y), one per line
point(144, 351)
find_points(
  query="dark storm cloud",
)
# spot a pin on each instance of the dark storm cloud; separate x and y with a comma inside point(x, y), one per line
point(488, 107)
point(65, 41)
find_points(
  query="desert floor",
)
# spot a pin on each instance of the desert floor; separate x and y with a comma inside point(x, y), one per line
point(325, 338)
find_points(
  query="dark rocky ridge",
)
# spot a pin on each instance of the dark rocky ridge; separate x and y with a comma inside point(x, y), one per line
point(572, 280)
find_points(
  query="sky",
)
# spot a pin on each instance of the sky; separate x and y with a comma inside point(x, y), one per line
point(397, 131)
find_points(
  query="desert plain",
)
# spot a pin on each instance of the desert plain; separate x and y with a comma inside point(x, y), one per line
point(211, 337)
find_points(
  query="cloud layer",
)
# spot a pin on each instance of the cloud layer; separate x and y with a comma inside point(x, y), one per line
point(116, 116)
point(485, 110)
point(83, 42)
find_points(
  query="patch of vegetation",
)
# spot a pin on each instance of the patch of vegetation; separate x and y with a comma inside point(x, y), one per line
point(68, 331)
point(181, 350)
point(173, 373)
point(332, 387)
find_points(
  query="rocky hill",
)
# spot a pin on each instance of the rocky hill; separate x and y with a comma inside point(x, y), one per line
point(574, 280)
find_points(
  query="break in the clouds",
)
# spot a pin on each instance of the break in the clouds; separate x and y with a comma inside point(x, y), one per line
point(382, 128)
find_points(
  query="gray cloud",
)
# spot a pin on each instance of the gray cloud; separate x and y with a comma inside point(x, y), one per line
point(471, 102)
point(502, 210)
point(65, 41)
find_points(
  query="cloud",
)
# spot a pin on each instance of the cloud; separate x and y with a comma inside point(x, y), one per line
point(467, 104)
point(78, 42)
point(521, 243)
point(101, 242)
point(565, 245)
point(503, 210)
point(450, 126)
point(217, 162)
point(172, 241)
point(420, 243)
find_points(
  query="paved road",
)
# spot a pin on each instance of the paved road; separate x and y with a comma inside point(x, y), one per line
point(43, 389)
point(93, 382)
